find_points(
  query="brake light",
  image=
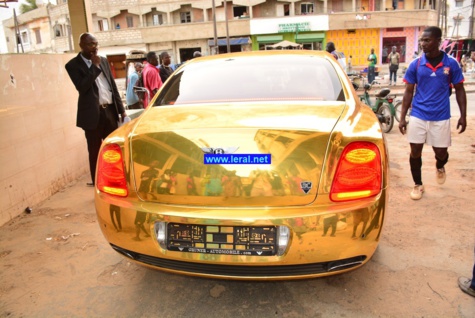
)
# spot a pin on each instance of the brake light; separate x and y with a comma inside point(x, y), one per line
point(358, 174)
point(110, 171)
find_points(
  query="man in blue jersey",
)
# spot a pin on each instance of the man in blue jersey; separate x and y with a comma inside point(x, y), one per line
point(434, 72)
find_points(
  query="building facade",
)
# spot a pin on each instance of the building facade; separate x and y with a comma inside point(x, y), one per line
point(182, 27)
point(459, 26)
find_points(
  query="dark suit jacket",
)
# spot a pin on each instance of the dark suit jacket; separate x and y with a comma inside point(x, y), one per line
point(84, 79)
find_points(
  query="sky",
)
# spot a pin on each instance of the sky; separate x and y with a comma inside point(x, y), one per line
point(6, 13)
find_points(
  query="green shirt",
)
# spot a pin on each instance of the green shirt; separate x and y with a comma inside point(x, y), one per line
point(373, 59)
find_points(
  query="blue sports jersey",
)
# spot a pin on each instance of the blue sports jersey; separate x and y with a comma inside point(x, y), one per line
point(432, 99)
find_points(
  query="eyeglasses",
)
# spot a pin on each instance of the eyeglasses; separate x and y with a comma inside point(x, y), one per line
point(92, 44)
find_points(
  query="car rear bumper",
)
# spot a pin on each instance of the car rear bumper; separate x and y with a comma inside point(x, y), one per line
point(351, 237)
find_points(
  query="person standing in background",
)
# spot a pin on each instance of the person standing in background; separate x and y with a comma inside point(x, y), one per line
point(372, 58)
point(165, 69)
point(332, 50)
point(132, 99)
point(151, 77)
point(393, 61)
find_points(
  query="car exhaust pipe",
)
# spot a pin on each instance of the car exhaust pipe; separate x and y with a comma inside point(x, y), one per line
point(347, 263)
point(124, 252)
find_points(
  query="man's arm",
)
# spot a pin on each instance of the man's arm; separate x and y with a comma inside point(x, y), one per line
point(406, 103)
point(83, 81)
point(155, 83)
point(461, 97)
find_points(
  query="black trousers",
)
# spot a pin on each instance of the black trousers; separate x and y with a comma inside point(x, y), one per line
point(94, 137)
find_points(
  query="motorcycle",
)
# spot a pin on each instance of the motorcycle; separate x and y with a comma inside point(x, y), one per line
point(383, 105)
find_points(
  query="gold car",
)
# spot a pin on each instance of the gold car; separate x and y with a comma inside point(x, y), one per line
point(258, 165)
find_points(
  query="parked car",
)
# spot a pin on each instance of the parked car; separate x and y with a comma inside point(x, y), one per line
point(250, 166)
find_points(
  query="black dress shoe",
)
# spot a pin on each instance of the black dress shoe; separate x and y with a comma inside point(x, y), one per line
point(90, 184)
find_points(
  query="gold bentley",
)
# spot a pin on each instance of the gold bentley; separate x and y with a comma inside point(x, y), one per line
point(250, 166)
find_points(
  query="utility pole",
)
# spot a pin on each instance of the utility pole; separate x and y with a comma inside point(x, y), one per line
point(216, 47)
point(17, 34)
point(470, 25)
point(228, 47)
point(446, 18)
point(438, 13)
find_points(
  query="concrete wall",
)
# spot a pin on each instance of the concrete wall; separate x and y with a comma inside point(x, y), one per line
point(41, 149)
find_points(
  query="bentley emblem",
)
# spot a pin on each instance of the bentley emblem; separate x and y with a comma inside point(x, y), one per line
point(306, 186)
point(219, 151)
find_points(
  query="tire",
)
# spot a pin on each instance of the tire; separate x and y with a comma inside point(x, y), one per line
point(397, 109)
point(388, 121)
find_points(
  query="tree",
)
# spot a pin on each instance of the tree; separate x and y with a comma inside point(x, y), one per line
point(28, 6)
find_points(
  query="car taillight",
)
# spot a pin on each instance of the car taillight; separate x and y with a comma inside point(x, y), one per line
point(358, 174)
point(110, 171)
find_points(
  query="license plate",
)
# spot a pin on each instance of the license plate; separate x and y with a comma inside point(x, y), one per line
point(230, 240)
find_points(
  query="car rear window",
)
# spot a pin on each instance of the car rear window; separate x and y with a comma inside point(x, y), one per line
point(251, 78)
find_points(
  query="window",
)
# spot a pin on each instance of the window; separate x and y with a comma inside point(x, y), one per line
point(157, 19)
point(38, 36)
point(239, 11)
point(317, 46)
point(24, 37)
point(458, 3)
point(286, 9)
point(58, 30)
point(305, 77)
point(306, 8)
point(185, 17)
point(130, 21)
point(103, 25)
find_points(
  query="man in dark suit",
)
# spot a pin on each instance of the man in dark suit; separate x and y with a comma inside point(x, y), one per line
point(99, 103)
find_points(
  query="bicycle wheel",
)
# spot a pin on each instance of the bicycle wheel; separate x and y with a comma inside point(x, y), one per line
point(397, 109)
point(387, 119)
point(356, 81)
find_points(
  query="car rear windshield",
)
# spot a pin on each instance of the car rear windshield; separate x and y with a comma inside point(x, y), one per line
point(253, 79)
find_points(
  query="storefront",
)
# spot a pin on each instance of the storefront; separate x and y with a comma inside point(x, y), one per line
point(240, 44)
point(404, 39)
point(309, 31)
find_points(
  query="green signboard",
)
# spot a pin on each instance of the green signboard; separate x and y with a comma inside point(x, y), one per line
point(294, 27)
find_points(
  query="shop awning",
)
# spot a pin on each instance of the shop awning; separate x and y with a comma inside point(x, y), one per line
point(270, 38)
point(285, 45)
point(310, 37)
point(232, 41)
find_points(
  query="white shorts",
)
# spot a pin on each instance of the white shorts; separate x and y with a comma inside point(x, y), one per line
point(433, 133)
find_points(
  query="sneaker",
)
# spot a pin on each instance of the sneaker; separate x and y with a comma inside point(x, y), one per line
point(416, 193)
point(440, 175)
point(464, 284)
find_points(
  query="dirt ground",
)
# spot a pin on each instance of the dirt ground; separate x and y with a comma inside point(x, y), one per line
point(54, 262)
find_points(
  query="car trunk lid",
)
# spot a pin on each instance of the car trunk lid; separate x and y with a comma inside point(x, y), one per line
point(170, 146)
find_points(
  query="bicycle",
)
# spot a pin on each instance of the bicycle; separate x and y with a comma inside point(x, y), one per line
point(383, 106)
point(357, 79)
point(398, 107)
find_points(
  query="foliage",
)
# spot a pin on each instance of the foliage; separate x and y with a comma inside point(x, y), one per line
point(28, 6)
